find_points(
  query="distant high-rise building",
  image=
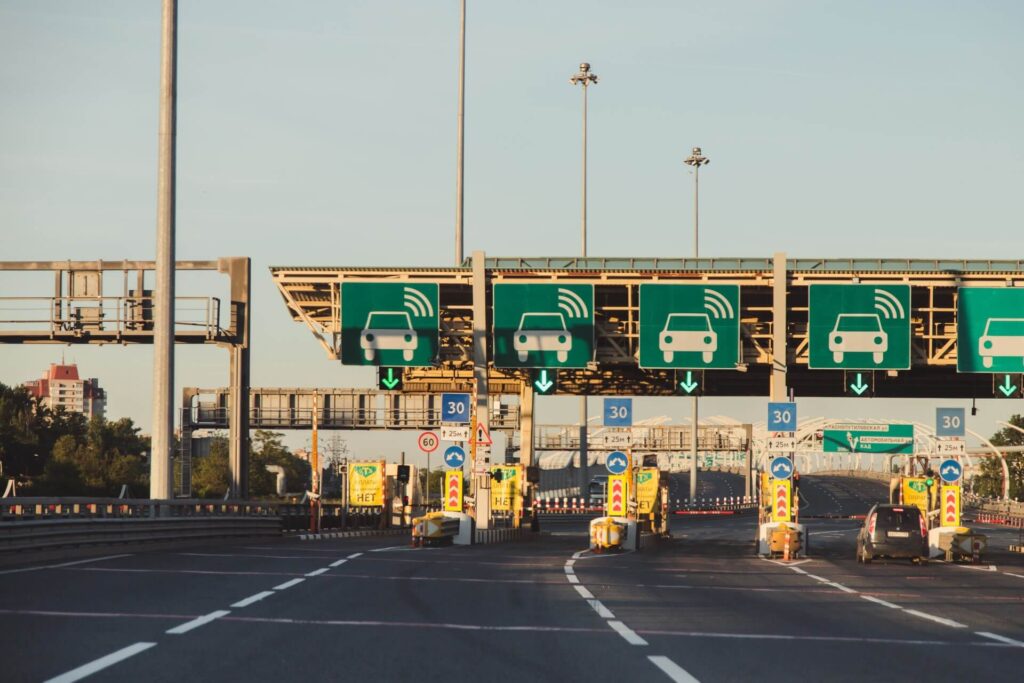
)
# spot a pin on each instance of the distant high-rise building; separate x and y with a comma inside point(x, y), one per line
point(60, 387)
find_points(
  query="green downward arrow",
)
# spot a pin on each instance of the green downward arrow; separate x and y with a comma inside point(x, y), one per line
point(859, 387)
point(391, 381)
point(1006, 387)
point(543, 383)
point(689, 385)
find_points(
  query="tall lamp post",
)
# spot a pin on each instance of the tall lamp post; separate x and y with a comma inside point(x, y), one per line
point(585, 78)
point(462, 137)
point(696, 160)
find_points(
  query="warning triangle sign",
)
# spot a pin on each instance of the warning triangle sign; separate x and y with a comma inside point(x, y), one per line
point(483, 437)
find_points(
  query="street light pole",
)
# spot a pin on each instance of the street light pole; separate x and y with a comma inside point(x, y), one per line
point(462, 137)
point(696, 160)
point(585, 78)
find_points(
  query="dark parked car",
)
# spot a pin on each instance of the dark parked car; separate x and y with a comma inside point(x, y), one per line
point(897, 531)
point(597, 489)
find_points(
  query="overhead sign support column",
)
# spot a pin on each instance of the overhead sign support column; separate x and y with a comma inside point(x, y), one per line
point(481, 502)
point(780, 353)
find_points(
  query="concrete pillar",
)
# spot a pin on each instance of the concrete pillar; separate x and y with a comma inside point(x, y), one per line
point(240, 275)
point(780, 353)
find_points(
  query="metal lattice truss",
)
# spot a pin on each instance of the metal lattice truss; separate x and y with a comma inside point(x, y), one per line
point(312, 295)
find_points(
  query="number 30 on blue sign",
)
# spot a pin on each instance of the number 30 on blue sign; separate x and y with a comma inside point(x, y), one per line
point(455, 408)
point(618, 412)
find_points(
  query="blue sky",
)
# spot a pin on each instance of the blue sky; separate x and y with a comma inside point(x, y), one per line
point(323, 133)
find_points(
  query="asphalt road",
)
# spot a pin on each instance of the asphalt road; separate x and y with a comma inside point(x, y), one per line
point(699, 606)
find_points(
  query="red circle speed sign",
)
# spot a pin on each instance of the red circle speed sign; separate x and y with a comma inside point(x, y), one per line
point(429, 442)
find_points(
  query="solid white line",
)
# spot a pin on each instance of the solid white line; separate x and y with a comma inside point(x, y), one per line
point(318, 572)
point(63, 564)
point(339, 563)
point(1019, 576)
point(626, 632)
point(798, 570)
point(990, 568)
point(879, 601)
point(601, 610)
point(677, 673)
point(1001, 639)
point(570, 570)
point(572, 578)
point(818, 578)
point(101, 663)
point(584, 593)
point(288, 584)
point(841, 587)
point(938, 620)
point(576, 555)
point(354, 556)
point(197, 622)
point(245, 602)
point(569, 563)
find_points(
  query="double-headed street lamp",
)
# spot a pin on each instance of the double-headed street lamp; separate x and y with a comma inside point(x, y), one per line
point(586, 79)
point(696, 160)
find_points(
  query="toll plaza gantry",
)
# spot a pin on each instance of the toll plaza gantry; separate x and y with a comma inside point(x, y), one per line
point(769, 327)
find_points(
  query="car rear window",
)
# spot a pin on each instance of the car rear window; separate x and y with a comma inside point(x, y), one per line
point(899, 517)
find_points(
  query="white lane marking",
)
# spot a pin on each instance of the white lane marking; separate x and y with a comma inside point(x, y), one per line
point(387, 549)
point(1001, 639)
point(569, 563)
point(354, 556)
point(1019, 576)
point(990, 568)
point(260, 557)
point(63, 564)
point(197, 622)
point(879, 601)
point(572, 578)
point(318, 572)
point(932, 617)
point(601, 610)
point(841, 587)
point(288, 584)
point(101, 663)
point(626, 632)
point(569, 570)
point(245, 602)
point(584, 593)
point(798, 570)
point(339, 562)
point(677, 673)
point(576, 555)
point(783, 563)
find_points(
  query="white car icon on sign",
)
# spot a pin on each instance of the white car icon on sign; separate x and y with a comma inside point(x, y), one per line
point(688, 332)
point(388, 331)
point(1003, 338)
point(858, 333)
point(542, 332)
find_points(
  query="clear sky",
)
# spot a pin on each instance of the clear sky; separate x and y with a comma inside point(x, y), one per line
point(323, 133)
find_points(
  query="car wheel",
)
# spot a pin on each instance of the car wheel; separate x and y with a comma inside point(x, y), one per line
point(877, 357)
point(523, 355)
point(669, 355)
point(837, 356)
point(562, 356)
point(707, 356)
point(368, 353)
point(986, 361)
point(407, 355)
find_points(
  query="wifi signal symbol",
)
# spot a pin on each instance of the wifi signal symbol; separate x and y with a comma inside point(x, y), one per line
point(718, 305)
point(572, 303)
point(418, 303)
point(889, 305)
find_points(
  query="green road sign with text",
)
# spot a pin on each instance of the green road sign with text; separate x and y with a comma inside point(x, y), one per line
point(389, 323)
point(990, 329)
point(869, 438)
point(859, 327)
point(543, 325)
point(689, 326)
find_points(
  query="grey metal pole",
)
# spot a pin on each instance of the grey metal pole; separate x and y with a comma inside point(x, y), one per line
point(160, 480)
point(459, 203)
point(696, 159)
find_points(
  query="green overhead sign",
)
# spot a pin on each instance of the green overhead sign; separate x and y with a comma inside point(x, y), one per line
point(543, 325)
point(869, 438)
point(859, 327)
point(689, 326)
point(990, 329)
point(389, 323)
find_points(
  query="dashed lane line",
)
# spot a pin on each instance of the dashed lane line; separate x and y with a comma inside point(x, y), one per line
point(318, 572)
point(340, 562)
point(601, 610)
point(353, 556)
point(932, 617)
point(197, 622)
point(627, 633)
point(879, 601)
point(1001, 639)
point(288, 584)
point(584, 593)
point(101, 663)
point(675, 672)
point(245, 602)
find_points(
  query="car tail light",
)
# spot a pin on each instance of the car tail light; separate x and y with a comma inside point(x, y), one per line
point(871, 524)
point(924, 529)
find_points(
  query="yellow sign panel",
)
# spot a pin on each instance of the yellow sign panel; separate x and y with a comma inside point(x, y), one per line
point(949, 505)
point(453, 491)
point(782, 510)
point(366, 484)
point(646, 489)
point(618, 495)
point(504, 490)
point(915, 492)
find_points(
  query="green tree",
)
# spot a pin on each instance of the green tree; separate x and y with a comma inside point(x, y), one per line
point(989, 481)
point(210, 473)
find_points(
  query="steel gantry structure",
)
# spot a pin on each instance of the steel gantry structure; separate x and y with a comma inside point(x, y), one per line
point(773, 316)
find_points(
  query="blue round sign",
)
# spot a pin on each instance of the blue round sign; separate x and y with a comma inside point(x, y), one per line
point(617, 462)
point(950, 471)
point(781, 467)
point(454, 456)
